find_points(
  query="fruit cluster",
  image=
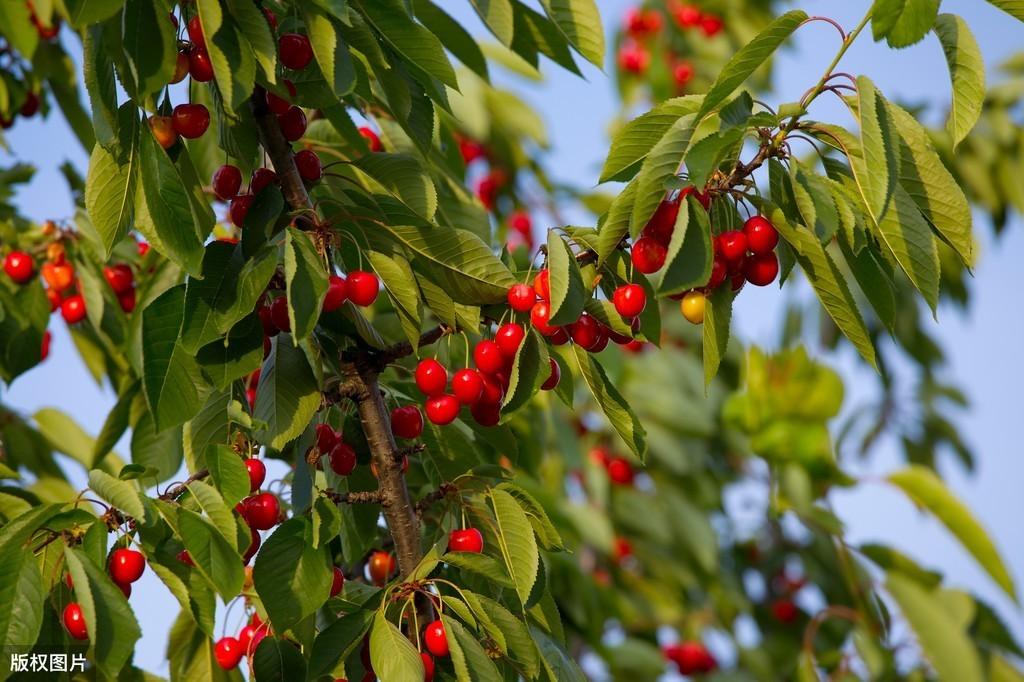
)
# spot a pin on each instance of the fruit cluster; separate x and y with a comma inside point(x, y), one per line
point(643, 26)
point(229, 651)
point(340, 455)
point(619, 469)
point(125, 566)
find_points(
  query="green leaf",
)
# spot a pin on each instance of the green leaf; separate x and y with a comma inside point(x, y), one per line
point(216, 509)
point(339, 640)
point(516, 541)
point(210, 426)
point(393, 656)
point(529, 370)
point(402, 177)
point(15, 17)
point(119, 494)
point(330, 50)
point(636, 139)
point(690, 253)
point(455, 38)
point(98, 74)
point(474, 660)
point(234, 66)
point(110, 186)
point(1015, 8)
point(546, 532)
point(237, 356)
point(480, 564)
point(567, 291)
point(615, 223)
point(306, 278)
point(942, 640)
point(967, 72)
point(927, 490)
point(291, 577)
point(618, 412)
point(150, 46)
point(84, 12)
point(705, 156)
point(910, 240)
point(215, 558)
point(21, 617)
point(519, 645)
point(288, 394)
point(278, 660)
point(557, 663)
point(903, 22)
point(497, 16)
point(115, 424)
point(580, 21)
point(227, 470)
point(418, 46)
point(65, 435)
point(877, 167)
point(400, 283)
point(892, 559)
point(661, 164)
point(715, 330)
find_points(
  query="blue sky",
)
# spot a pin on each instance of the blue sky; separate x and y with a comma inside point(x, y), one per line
point(982, 347)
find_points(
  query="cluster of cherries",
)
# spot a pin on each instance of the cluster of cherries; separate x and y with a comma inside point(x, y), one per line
point(229, 651)
point(634, 54)
point(125, 567)
point(619, 469)
point(340, 455)
point(360, 287)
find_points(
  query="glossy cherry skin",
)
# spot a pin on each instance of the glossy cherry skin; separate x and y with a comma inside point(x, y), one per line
point(509, 338)
point(292, 123)
point(247, 638)
point(442, 409)
point(585, 332)
point(308, 165)
point(337, 582)
point(254, 546)
point(19, 266)
point(719, 271)
point(59, 276)
point(257, 471)
point(540, 315)
point(228, 652)
point(648, 255)
point(119, 277)
point(431, 377)
point(372, 139)
point(521, 297)
point(553, 378)
point(488, 357)
point(190, 120)
point(295, 51)
point(761, 269)
point(199, 65)
point(261, 178)
point(662, 224)
point(428, 666)
point(337, 293)
point(163, 131)
point(343, 459)
point(227, 180)
point(732, 245)
point(542, 284)
point(363, 287)
point(181, 67)
point(126, 565)
point(72, 309)
point(195, 32)
point(466, 540)
point(239, 209)
point(784, 611)
point(711, 25)
point(74, 621)
point(762, 237)
point(278, 105)
point(262, 511)
point(407, 422)
point(435, 640)
point(468, 386)
point(486, 413)
point(620, 471)
point(630, 300)
point(44, 348)
point(326, 438)
point(690, 657)
point(380, 566)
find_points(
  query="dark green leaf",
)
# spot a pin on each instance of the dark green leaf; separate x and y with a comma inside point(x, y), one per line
point(620, 415)
point(278, 660)
point(567, 291)
point(288, 394)
point(306, 278)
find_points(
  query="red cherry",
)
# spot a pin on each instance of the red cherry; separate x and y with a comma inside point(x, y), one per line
point(488, 358)
point(309, 166)
point(468, 386)
point(521, 297)
point(520, 222)
point(509, 337)
point(276, 104)
point(59, 276)
point(663, 223)
point(428, 667)
point(337, 293)
point(126, 565)
point(184, 557)
point(630, 300)
point(380, 567)
point(239, 208)
point(245, 639)
point(762, 237)
point(74, 621)
point(195, 32)
point(271, 18)
point(19, 266)
point(688, 16)
point(199, 65)
point(326, 438)
point(261, 178)
point(711, 25)
point(127, 301)
point(54, 297)
point(119, 277)
point(486, 413)
point(163, 131)
point(622, 548)
point(467, 540)
point(620, 470)
point(633, 57)
point(761, 269)
point(732, 245)
point(343, 459)
point(372, 139)
point(227, 180)
point(363, 287)
point(228, 652)
point(72, 309)
point(190, 120)
point(442, 409)
point(292, 123)
point(431, 377)
point(181, 67)
point(539, 316)
point(262, 511)
point(257, 473)
point(784, 611)
point(337, 582)
point(30, 106)
point(703, 197)
point(295, 51)
point(554, 377)
point(44, 347)
point(648, 255)
point(435, 640)
point(682, 73)
point(542, 284)
point(719, 270)
point(585, 332)
point(690, 657)
point(407, 422)
point(279, 314)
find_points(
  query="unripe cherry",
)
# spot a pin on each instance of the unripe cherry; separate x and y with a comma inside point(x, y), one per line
point(542, 284)
point(163, 131)
point(630, 300)
point(363, 287)
point(337, 293)
point(407, 422)
point(488, 357)
point(468, 386)
point(431, 377)
point(521, 297)
point(227, 180)
point(692, 306)
point(380, 567)
point(648, 255)
point(181, 67)
point(442, 409)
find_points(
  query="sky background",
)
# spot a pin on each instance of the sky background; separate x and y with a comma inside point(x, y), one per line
point(983, 346)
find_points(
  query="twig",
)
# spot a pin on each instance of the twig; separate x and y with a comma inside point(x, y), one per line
point(176, 491)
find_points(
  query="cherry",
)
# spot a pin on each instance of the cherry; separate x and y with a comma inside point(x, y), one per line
point(343, 459)
point(277, 104)
point(126, 565)
point(199, 65)
point(195, 32)
point(648, 255)
point(431, 377)
point(407, 422)
point(372, 139)
point(520, 222)
point(72, 309)
point(227, 180)
point(560, 337)
point(337, 293)
point(663, 223)
point(239, 208)
point(248, 638)
point(690, 657)
point(337, 582)
point(485, 413)
point(292, 123)
point(127, 301)
point(30, 106)
point(633, 57)
point(692, 306)
point(326, 438)
point(488, 355)
point(59, 276)
point(761, 269)
point(279, 314)
point(428, 667)
point(262, 511)
point(719, 271)
point(181, 67)
point(380, 566)
point(44, 347)
point(542, 284)
point(682, 73)
point(620, 471)
point(143, 249)
point(468, 386)
point(487, 190)
point(295, 51)
point(622, 548)
point(163, 130)
point(470, 150)
point(435, 640)
point(554, 377)
point(630, 300)
point(688, 16)
point(363, 287)
point(442, 409)
point(119, 277)
point(539, 318)
point(74, 621)
point(585, 332)
point(271, 18)
point(784, 611)
point(737, 281)
point(228, 652)
point(601, 342)
point(466, 540)
point(309, 166)
point(634, 346)
point(261, 178)
point(254, 546)
point(257, 471)
point(190, 120)
point(711, 25)
point(19, 266)
point(762, 237)
point(521, 297)
point(732, 245)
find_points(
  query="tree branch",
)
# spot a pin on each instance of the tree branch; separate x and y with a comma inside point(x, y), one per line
point(176, 491)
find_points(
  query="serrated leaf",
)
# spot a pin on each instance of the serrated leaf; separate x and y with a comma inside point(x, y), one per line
point(404, 178)
point(715, 330)
point(967, 72)
point(110, 187)
point(288, 394)
point(216, 509)
point(542, 526)
point(910, 240)
point(615, 225)
point(497, 16)
point(149, 45)
point(400, 284)
point(516, 541)
point(215, 558)
point(115, 424)
point(234, 66)
point(119, 494)
point(567, 291)
point(661, 164)
point(1015, 8)
point(393, 656)
point(529, 371)
point(689, 256)
point(292, 578)
point(480, 564)
point(278, 660)
point(227, 470)
point(338, 640)
point(704, 157)
point(306, 282)
point(878, 165)
point(256, 30)
point(580, 21)
point(903, 22)
point(618, 412)
point(456, 39)
point(418, 46)
point(469, 658)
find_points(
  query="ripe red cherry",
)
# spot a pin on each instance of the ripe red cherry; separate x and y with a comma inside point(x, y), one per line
point(337, 293)
point(227, 180)
point(428, 666)
point(246, 637)
point(442, 409)
point(372, 139)
point(540, 315)
point(380, 567)
point(719, 271)
point(553, 378)
point(126, 565)
point(276, 104)
point(488, 357)
point(363, 287)
point(435, 640)
point(309, 166)
point(163, 131)
point(407, 422)
point(542, 284)
point(493, 392)
point(521, 297)
point(257, 473)
point(19, 266)
point(662, 224)
point(509, 337)
point(470, 150)
point(431, 377)
point(239, 208)
point(184, 557)
point(271, 18)
point(585, 332)
point(262, 511)
point(119, 277)
point(292, 123)
point(485, 413)
point(468, 386)
point(711, 25)
point(761, 269)
point(467, 540)
point(682, 73)
point(732, 245)
point(44, 347)
point(74, 621)
point(228, 652)
point(633, 57)
point(326, 438)
point(688, 16)
point(648, 255)
point(279, 314)
point(199, 65)
point(190, 120)
point(195, 32)
point(630, 300)
point(520, 222)
point(72, 309)
point(343, 459)
point(31, 105)
point(620, 470)
point(690, 657)
point(784, 611)
point(261, 178)
point(762, 237)
point(295, 51)
point(54, 297)
point(337, 582)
